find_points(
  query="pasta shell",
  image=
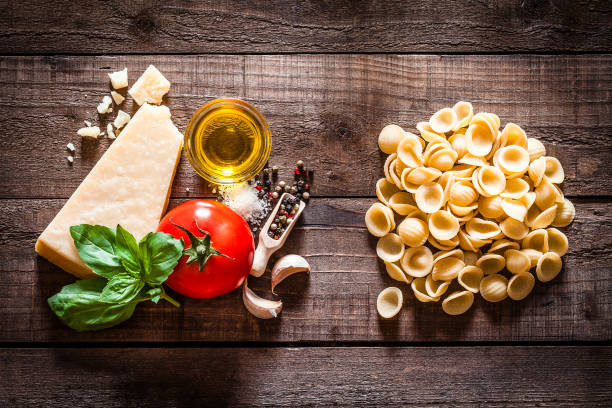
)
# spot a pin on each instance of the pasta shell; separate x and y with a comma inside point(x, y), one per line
point(490, 207)
point(482, 229)
point(469, 243)
point(528, 199)
point(512, 134)
point(554, 171)
point(514, 229)
point(514, 208)
point(458, 302)
point(420, 291)
point(494, 288)
point(429, 197)
point(413, 231)
point(444, 245)
point(388, 139)
point(533, 256)
point(435, 289)
point(491, 263)
point(512, 159)
point(393, 174)
point(384, 190)
point(547, 194)
point(417, 261)
point(386, 166)
point(458, 144)
point(463, 193)
point(545, 218)
point(447, 268)
point(469, 277)
point(480, 136)
point(410, 151)
point(402, 203)
point(537, 170)
point(520, 285)
point(428, 133)
point(535, 148)
point(492, 118)
point(443, 225)
point(517, 261)
point(548, 267)
point(405, 184)
point(462, 211)
point(536, 239)
point(455, 253)
point(423, 175)
point(565, 214)
point(471, 160)
point(395, 272)
point(532, 213)
point(443, 121)
point(515, 188)
point(418, 214)
point(390, 248)
point(443, 159)
point(462, 171)
point(490, 179)
point(389, 302)
point(501, 245)
point(464, 112)
point(377, 220)
point(470, 258)
point(557, 241)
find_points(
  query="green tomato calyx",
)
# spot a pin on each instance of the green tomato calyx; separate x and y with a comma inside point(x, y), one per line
point(201, 248)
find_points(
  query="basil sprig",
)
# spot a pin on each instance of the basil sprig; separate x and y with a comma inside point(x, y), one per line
point(130, 272)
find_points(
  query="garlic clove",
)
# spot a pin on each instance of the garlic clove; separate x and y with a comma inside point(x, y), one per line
point(287, 266)
point(258, 306)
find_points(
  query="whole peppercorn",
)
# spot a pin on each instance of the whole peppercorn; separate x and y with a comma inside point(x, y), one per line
point(273, 227)
point(296, 171)
point(300, 189)
point(300, 164)
point(266, 171)
point(293, 212)
point(278, 189)
point(298, 196)
point(300, 183)
point(293, 190)
point(306, 195)
point(270, 234)
point(282, 219)
point(294, 183)
point(307, 187)
point(282, 184)
point(296, 207)
point(274, 169)
point(277, 220)
point(275, 195)
point(282, 207)
point(287, 189)
point(267, 183)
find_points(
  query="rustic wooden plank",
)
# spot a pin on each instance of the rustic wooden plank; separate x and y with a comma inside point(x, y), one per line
point(338, 376)
point(326, 109)
point(337, 302)
point(61, 26)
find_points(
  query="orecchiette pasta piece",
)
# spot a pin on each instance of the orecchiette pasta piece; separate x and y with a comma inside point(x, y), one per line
point(479, 137)
point(514, 229)
point(429, 197)
point(402, 203)
point(454, 253)
point(512, 160)
point(410, 151)
point(536, 239)
point(515, 188)
point(462, 171)
point(420, 291)
point(554, 171)
point(447, 269)
point(428, 133)
point(395, 272)
point(494, 288)
point(535, 148)
point(390, 248)
point(482, 229)
point(501, 245)
point(443, 159)
point(517, 261)
point(457, 142)
point(464, 112)
point(471, 160)
point(520, 285)
point(492, 118)
point(405, 184)
point(490, 179)
point(490, 207)
point(413, 231)
point(491, 263)
point(469, 277)
point(435, 289)
point(565, 214)
point(458, 302)
point(470, 243)
point(557, 241)
point(435, 146)
point(512, 134)
point(418, 214)
point(389, 302)
point(533, 256)
point(547, 194)
point(443, 121)
point(417, 261)
point(445, 244)
point(443, 225)
point(514, 209)
point(470, 258)
point(462, 193)
point(460, 211)
point(532, 213)
point(528, 199)
point(393, 174)
point(377, 220)
point(423, 175)
point(387, 165)
point(384, 190)
point(545, 218)
point(388, 139)
point(548, 267)
point(536, 171)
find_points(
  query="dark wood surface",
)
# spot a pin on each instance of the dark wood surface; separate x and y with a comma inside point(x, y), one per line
point(328, 76)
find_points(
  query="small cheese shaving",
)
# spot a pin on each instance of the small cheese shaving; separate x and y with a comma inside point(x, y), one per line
point(117, 97)
point(70, 147)
point(243, 199)
point(119, 79)
point(70, 159)
point(87, 123)
point(109, 130)
point(91, 131)
point(104, 106)
point(122, 119)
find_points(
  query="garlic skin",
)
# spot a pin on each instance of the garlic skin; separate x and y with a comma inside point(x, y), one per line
point(260, 307)
point(287, 266)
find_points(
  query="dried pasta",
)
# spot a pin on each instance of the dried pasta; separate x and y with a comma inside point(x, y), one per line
point(485, 198)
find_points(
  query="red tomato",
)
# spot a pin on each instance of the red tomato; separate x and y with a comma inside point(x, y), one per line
point(230, 235)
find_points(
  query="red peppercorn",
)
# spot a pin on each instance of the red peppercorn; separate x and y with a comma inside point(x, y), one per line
point(307, 187)
point(270, 195)
point(258, 188)
point(296, 171)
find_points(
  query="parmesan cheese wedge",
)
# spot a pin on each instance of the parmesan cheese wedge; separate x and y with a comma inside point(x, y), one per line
point(150, 87)
point(130, 185)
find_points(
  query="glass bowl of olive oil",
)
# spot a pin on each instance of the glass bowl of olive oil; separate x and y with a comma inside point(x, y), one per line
point(228, 141)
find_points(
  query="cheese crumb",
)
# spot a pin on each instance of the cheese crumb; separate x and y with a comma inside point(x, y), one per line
point(104, 106)
point(243, 199)
point(109, 130)
point(119, 79)
point(150, 87)
point(117, 97)
point(91, 131)
point(122, 119)
point(87, 123)
point(70, 159)
point(70, 147)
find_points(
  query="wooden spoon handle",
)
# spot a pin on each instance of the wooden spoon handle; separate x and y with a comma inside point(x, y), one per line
point(262, 254)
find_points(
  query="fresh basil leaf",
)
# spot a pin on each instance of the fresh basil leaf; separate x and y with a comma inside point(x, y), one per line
point(155, 293)
point(121, 288)
point(126, 248)
point(96, 247)
point(160, 253)
point(78, 305)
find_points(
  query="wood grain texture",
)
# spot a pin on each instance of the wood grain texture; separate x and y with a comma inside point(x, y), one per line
point(259, 26)
point(397, 376)
point(325, 109)
point(337, 302)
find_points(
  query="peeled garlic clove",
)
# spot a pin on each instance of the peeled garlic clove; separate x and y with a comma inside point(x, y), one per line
point(260, 307)
point(287, 266)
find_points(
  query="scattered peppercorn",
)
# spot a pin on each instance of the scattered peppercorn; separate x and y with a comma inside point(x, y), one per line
point(274, 169)
point(300, 164)
point(275, 195)
point(306, 195)
point(293, 190)
point(273, 227)
point(296, 171)
point(287, 189)
point(266, 171)
point(282, 184)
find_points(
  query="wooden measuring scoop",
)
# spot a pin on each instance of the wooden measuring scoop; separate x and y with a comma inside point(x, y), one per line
point(268, 245)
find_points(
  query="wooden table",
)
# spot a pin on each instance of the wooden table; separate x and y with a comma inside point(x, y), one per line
point(327, 76)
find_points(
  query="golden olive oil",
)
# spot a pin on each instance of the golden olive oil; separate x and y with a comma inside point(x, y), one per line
point(228, 141)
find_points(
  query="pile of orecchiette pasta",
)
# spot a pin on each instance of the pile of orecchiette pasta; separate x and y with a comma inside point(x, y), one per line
point(464, 183)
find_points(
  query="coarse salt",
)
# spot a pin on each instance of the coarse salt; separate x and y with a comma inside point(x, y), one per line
point(243, 199)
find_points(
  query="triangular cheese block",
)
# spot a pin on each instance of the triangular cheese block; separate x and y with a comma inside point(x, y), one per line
point(130, 185)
